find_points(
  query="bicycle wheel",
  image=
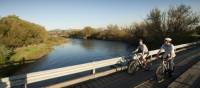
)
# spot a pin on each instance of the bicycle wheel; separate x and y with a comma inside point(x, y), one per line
point(160, 73)
point(133, 67)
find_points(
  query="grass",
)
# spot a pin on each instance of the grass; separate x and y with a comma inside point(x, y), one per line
point(36, 51)
point(56, 41)
point(30, 52)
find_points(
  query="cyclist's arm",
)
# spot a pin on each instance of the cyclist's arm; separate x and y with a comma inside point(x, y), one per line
point(145, 49)
point(172, 54)
point(136, 50)
point(159, 51)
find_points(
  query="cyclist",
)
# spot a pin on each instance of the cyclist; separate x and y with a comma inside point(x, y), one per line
point(169, 53)
point(143, 52)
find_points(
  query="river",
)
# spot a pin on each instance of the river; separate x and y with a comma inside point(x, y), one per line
point(77, 51)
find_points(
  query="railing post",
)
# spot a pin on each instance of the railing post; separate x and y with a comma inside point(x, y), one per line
point(93, 70)
point(25, 84)
point(24, 80)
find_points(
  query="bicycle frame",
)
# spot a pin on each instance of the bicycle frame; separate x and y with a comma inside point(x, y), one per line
point(135, 64)
point(165, 65)
point(136, 58)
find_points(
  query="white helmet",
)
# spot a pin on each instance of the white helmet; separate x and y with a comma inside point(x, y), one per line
point(168, 39)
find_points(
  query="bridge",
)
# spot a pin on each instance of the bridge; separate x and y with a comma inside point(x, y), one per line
point(109, 73)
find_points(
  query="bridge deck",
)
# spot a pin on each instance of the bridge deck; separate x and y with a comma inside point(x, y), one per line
point(189, 79)
point(141, 79)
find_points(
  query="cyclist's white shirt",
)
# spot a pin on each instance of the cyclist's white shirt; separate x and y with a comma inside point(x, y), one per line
point(168, 49)
point(142, 47)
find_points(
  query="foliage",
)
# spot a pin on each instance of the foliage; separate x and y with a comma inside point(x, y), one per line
point(26, 39)
point(198, 30)
point(87, 32)
point(55, 40)
point(15, 32)
point(35, 51)
point(112, 32)
point(181, 19)
point(178, 23)
point(4, 53)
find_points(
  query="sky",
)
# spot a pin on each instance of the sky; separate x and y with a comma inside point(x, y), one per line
point(76, 14)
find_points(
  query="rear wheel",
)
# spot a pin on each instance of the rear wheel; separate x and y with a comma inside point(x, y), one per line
point(133, 67)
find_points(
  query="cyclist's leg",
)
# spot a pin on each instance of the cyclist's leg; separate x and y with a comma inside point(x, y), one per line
point(140, 58)
point(171, 66)
point(145, 60)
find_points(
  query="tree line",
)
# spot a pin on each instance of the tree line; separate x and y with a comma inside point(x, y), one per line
point(179, 22)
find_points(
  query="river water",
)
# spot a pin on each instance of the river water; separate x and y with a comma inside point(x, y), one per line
point(77, 51)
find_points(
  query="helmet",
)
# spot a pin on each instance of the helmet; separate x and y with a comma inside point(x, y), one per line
point(168, 39)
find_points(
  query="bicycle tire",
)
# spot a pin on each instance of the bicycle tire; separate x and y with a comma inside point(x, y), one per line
point(160, 73)
point(132, 67)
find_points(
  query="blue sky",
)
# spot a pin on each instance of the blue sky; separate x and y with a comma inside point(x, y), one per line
point(66, 14)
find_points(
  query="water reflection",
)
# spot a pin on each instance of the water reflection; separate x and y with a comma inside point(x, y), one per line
point(88, 45)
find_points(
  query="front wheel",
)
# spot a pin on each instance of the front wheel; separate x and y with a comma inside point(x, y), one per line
point(160, 74)
point(132, 67)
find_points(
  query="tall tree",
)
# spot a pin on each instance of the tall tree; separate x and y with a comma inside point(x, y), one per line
point(181, 20)
point(155, 25)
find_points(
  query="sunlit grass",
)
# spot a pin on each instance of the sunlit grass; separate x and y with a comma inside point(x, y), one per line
point(30, 52)
point(35, 51)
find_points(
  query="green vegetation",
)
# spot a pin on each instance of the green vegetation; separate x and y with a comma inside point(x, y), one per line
point(4, 53)
point(30, 52)
point(111, 32)
point(55, 41)
point(178, 22)
point(36, 51)
point(23, 40)
point(15, 32)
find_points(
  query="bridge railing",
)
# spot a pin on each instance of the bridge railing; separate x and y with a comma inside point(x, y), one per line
point(34, 77)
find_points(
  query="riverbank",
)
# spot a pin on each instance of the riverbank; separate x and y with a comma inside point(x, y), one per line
point(28, 54)
point(36, 51)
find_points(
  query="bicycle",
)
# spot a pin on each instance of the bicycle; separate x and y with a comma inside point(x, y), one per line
point(163, 70)
point(135, 64)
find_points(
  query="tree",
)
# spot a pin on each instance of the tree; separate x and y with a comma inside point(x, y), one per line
point(15, 32)
point(155, 25)
point(181, 20)
point(140, 30)
point(87, 32)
